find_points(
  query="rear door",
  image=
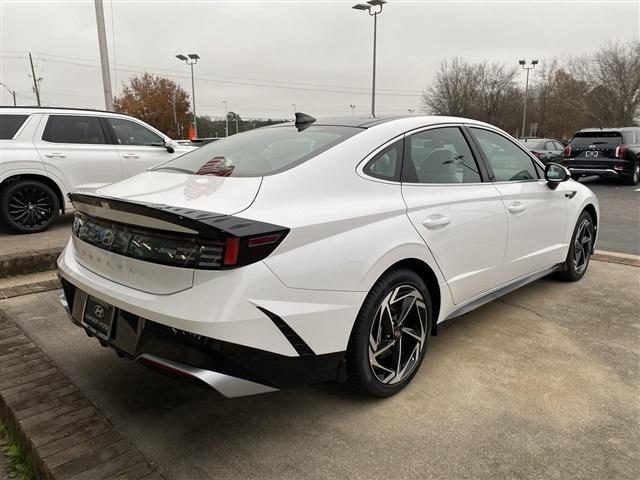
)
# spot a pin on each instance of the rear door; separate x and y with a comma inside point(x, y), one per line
point(537, 215)
point(139, 147)
point(76, 149)
point(461, 218)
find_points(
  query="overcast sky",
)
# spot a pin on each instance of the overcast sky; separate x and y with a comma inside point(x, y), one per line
point(261, 57)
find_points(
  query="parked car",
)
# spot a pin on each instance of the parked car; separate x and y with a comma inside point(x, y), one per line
point(607, 152)
point(546, 149)
point(45, 153)
point(319, 250)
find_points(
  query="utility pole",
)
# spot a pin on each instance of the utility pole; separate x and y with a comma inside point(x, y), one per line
point(236, 115)
point(35, 80)
point(104, 57)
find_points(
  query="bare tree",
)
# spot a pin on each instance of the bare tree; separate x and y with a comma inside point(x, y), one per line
point(453, 90)
point(495, 85)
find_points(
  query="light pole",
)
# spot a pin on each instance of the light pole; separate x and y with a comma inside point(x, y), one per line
point(191, 59)
point(294, 110)
point(226, 119)
point(374, 8)
point(12, 92)
point(527, 67)
point(410, 110)
point(352, 107)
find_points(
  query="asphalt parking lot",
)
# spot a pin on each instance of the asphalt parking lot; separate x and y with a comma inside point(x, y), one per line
point(541, 384)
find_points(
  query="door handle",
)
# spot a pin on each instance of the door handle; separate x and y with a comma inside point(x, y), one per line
point(436, 221)
point(55, 155)
point(516, 207)
point(130, 155)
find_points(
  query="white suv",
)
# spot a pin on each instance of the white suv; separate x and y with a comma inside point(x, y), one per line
point(45, 153)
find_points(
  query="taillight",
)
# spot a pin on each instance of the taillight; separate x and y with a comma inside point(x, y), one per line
point(567, 151)
point(621, 151)
point(181, 250)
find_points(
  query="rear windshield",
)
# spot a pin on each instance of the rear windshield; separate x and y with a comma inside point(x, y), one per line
point(532, 142)
point(582, 139)
point(261, 152)
point(10, 124)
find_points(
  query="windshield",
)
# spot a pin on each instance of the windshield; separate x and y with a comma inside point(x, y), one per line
point(259, 152)
point(596, 138)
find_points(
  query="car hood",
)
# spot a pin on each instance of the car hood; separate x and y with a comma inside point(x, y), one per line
point(220, 195)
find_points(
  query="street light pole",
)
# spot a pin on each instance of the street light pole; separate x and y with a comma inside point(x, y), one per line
point(104, 57)
point(191, 59)
point(294, 110)
point(374, 8)
point(12, 92)
point(226, 119)
point(527, 67)
point(353, 107)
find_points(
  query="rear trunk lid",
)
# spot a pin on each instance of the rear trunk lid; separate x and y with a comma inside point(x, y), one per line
point(153, 206)
point(595, 147)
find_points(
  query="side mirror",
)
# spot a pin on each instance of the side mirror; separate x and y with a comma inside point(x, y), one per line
point(169, 146)
point(555, 174)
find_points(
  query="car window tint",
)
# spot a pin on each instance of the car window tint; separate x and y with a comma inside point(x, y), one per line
point(509, 163)
point(585, 139)
point(386, 164)
point(132, 133)
point(440, 155)
point(264, 151)
point(10, 124)
point(73, 129)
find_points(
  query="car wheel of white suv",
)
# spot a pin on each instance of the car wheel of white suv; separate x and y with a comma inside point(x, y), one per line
point(390, 336)
point(28, 206)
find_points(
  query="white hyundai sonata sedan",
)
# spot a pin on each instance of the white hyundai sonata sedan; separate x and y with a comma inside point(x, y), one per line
point(320, 250)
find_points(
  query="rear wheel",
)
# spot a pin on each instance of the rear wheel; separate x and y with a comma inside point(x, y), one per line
point(390, 336)
point(634, 178)
point(28, 206)
point(580, 250)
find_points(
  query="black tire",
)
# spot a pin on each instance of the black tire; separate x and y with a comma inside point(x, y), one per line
point(28, 206)
point(575, 266)
point(412, 331)
point(634, 178)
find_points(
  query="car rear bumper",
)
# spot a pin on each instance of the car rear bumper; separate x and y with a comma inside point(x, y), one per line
point(604, 172)
point(240, 332)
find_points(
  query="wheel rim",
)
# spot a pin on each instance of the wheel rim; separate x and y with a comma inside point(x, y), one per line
point(398, 334)
point(582, 246)
point(636, 174)
point(30, 207)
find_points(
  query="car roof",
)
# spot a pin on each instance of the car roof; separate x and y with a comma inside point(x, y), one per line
point(36, 109)
point(611, 129)
point(368, 121)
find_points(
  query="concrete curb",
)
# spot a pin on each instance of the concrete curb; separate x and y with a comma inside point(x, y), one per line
point(29, 262)
point(614, 257)
point(62, 431)
point(27, 288)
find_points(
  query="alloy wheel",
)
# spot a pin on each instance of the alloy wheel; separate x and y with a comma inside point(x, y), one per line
point(398, 335)
point(30, 207)
point(582, 246)
point(636, 174)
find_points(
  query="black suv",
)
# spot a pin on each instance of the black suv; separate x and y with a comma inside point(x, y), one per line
point(608, 152)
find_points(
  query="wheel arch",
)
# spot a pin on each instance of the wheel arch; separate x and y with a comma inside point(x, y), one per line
point(591, 210)
point(40, 178)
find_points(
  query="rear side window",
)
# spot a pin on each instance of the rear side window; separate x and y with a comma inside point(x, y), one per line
point(584, 139)
point(509, 163)
point(10, 124)
point(439, 155)
point(73, 129)
point(260, 152)
point(386, 164)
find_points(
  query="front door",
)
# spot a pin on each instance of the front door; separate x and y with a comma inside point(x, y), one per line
point(537, 215)
point(461, 219)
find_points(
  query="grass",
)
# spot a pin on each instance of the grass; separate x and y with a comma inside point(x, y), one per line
point(18, 463)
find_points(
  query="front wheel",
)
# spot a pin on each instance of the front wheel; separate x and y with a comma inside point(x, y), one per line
point(28, 206)
point(580, 250)
point(390, 335)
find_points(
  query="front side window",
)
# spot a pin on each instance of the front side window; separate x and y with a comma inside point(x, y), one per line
point(73, 129)
point(386, 164)
point(132, 133)
point(509, 163)
point(439, 155)
point(260, 152)
point(10, 124)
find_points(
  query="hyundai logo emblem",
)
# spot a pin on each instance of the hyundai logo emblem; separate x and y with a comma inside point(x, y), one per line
point(98, 311)
point(107, 238)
